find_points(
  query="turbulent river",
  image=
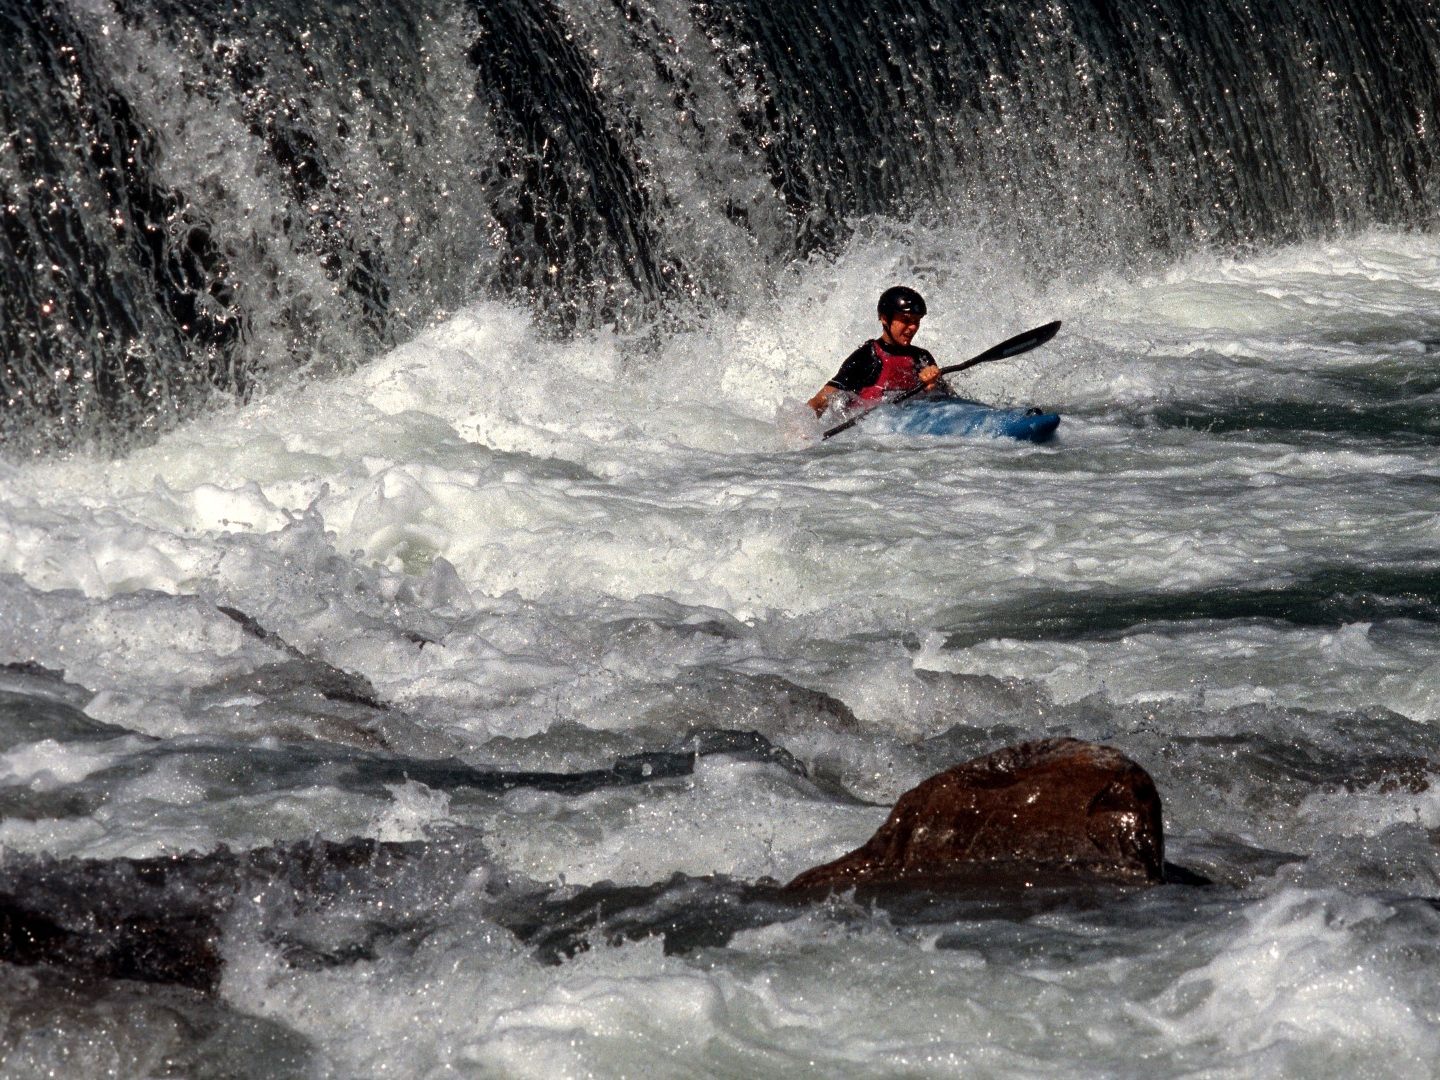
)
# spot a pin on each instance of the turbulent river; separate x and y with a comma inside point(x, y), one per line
point(550, 611)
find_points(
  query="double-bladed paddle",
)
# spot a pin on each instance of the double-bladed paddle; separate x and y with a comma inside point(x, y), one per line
point(1014, 346)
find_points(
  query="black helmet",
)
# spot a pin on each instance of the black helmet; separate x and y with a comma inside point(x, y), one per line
point(898, 300)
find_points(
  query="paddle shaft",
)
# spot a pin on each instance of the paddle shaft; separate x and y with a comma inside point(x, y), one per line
point(1014, 346)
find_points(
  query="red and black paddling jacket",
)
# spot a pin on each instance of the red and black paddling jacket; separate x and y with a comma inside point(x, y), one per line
point(876, 371)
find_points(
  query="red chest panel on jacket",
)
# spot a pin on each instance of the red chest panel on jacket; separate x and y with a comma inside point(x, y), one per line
point(896, 373)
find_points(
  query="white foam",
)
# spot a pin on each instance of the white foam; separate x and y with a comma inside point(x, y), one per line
point(740, 819)
point(1302, 986)
point(1217, 667)
point(48, 765)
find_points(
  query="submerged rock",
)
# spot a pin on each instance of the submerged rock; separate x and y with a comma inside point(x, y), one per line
point(1056, 813)
point(686, 913)
point(1041, 813)
point(169, 947)
point(161, 920)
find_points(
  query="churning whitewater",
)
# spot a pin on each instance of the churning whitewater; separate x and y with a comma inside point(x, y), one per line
point(450, 649)
point(1222, 565)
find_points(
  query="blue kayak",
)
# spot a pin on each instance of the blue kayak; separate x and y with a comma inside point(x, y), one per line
point(957, 416)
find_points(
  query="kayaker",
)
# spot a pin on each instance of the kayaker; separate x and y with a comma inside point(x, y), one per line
point(888, 364)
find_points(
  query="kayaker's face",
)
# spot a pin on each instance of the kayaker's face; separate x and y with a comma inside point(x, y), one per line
point(899, 328)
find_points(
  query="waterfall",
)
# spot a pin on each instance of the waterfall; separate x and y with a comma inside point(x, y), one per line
point(199, 195)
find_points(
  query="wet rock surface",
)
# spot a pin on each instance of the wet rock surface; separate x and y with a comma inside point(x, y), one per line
point(685, 912)
point(1040, 813)
point(132, 1029)
point(161, 920)
point(692, 913)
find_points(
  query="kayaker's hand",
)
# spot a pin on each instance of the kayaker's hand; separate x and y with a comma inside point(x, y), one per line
point(928, 376)
point(821, 401)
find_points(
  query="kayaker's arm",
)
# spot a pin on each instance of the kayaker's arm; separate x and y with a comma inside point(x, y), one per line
point(821, 401)
point(929, 376)
point(858, 371)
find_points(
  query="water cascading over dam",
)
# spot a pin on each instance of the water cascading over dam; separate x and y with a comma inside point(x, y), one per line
point(198, 196)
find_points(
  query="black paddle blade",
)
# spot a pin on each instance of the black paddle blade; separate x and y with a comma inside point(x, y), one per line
point(1014, 346)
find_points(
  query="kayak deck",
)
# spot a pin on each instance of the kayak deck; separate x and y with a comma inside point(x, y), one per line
point(959, 416)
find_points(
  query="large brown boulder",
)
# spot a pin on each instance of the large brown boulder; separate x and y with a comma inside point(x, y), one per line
point(1042, 813)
